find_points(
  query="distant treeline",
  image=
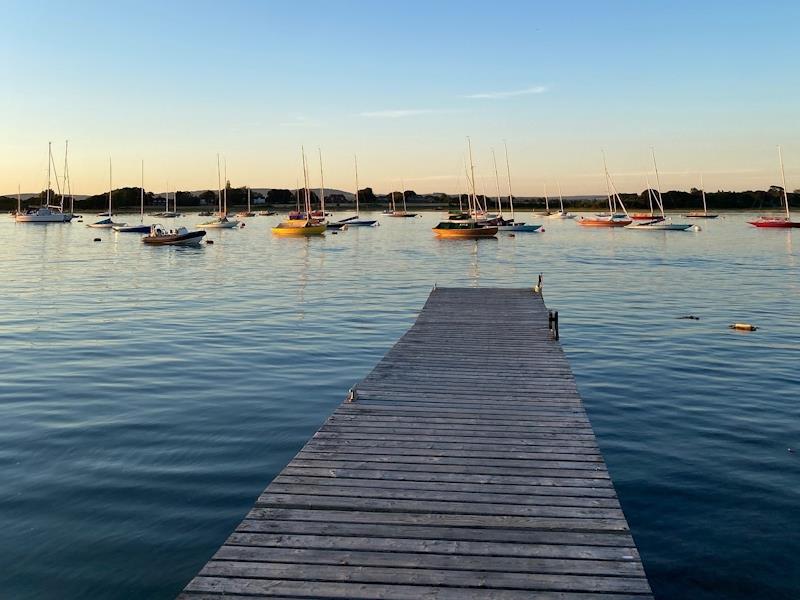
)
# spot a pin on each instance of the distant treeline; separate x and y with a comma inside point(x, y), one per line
point(129, 198)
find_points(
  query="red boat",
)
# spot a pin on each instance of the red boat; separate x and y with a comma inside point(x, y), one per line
point(644, 217)
point(777, 222)
point(774, 221)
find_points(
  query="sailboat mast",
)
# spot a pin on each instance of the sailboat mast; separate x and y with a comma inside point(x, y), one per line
point(608, 186)
point(306, 191)
point(703, 192)
point(248, 198)
point(560, 196)
point(322, 184)
point(497, 183)
point(19, 200)
point(403, 192)
point(658, 182)
point(355, 160)
point(472, 176)
point(225, 189)
point(783, 181)
point(49, 160)
point(64, 191)
point(546, 199)
point(110, 187)
point(508, 174)
point(141, 197)
point(219, 188)
point(649, 192)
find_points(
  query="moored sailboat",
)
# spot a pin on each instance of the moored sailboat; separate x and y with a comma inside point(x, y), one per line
point(248, 212)
point(466, 228)
point(612, 218)
point(141, 228)
point(108, 222)
point(46, 212)
point(222, 221)
point(355, 221)
point(306, 225)
point(561, 213)
point(512, 225)
point(661, 223)
point(778, 222)
point(705, 214)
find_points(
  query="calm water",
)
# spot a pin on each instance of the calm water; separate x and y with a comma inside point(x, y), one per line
point(149, 394)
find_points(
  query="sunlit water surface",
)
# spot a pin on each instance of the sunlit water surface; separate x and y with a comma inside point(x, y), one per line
point(149, 394)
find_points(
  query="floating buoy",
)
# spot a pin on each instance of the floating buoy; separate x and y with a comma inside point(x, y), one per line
point(743, 327)
point(541, 229)
point(242, 226)
point(511, 235)
point(696, 228)
point(209, 242)
point(97, 239)
point(334, 233)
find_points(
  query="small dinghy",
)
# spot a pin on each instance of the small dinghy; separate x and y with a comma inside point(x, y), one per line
point(160, 236)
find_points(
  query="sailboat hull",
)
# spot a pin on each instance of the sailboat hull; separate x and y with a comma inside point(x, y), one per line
point(218, 225)
point(53, 218)
point(520, 227)
point(132, 228)
point(604, 222)
point(466, 233)
point(660, 226)
point(290, 228)
point(776, 223)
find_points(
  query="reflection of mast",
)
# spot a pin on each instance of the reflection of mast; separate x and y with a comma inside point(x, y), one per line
point(474, 267)
point(304, 269)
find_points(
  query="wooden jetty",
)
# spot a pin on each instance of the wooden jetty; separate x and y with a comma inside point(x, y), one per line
point(463, 467)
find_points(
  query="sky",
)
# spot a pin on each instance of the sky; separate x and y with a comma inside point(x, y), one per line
point(711, 86)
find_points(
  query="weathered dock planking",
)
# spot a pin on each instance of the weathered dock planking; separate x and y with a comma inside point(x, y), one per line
point(464, 468)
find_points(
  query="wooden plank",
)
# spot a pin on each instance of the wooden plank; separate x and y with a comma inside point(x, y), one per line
point(465, 468)
point(427, 560)
point(541, 547)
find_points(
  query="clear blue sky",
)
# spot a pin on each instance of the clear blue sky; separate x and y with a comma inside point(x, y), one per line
point(711, 85)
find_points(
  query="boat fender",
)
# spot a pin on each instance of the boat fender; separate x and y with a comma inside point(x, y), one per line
point(743, 327)
point(97, 239)
point(352, 395)
point(209, 242)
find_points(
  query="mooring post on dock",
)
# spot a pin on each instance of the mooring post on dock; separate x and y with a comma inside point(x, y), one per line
point(552, 319)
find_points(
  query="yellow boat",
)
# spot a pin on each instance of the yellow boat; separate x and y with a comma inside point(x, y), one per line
point(299, 227)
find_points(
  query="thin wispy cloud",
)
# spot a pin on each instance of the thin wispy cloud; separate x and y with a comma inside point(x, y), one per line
point(299, 121)
point(397, 113)
point(530, 91)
